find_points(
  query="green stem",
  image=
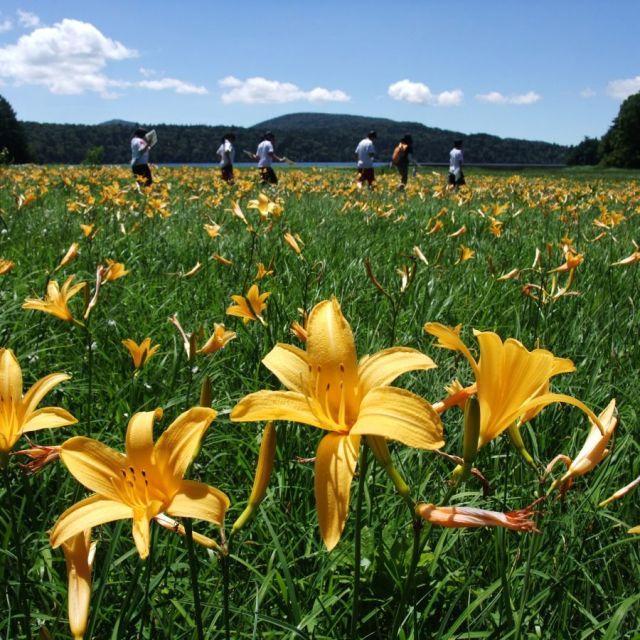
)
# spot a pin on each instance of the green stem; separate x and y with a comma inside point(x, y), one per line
point(146, 605)
point(417, 549)
point(357, 547)
point(224, 562)
point(104, 574)
point(23, 601)
point(193, 568)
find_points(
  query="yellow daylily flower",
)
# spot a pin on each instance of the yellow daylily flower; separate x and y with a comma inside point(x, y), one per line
point(329, 389)
point(71, 254)
point(251, 307)
point(114, 271)
point(18, 413)
point(262, 271)
point(213, 230)
point(594, 449)
point(140, 353)
point(87, 229)
point(218, 340)
point(56, 301)
point(6, 266)
point(572, 261)
point(264, 206)
point(143, 483)
point(512, 382)
point(292, 242)
point(79, 553)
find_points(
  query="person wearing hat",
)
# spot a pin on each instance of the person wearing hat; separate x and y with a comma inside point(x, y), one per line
point(265, 155)
point(140, 156)
point(365, 153)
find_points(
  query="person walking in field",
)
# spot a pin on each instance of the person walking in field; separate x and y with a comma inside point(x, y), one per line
point(227, 154)
point(402, 157)
point(365, 154)
point(140, 157)
point(456, 177)
point(265, 155)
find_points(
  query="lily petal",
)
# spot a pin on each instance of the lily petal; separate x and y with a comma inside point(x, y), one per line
point(198, 500)
point(10, 376)
point(139, 438)
point(179, 444)
point(336, 461)
point(399, 415)
point(48, 418)
point(290, 365)
point(330, 340)
point(40, 389)
point(93, 464)
point(86, 514)
point(385, 366)
point(449, 339)
point(274, 405)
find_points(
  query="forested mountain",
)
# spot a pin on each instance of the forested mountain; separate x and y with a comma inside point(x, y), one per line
point(304, 137)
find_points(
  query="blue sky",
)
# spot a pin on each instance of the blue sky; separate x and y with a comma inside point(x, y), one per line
point(538, 69)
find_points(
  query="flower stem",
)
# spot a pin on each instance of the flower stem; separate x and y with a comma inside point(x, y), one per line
point(357, 547)
point(104, 574)
point(193, 567)
point(23, 600)
point(224, 562)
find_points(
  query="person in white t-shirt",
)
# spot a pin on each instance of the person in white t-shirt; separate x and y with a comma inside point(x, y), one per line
point(365, 154)
point(140, 156)
point(265, 155)
point(227, 154)
point(456, 177)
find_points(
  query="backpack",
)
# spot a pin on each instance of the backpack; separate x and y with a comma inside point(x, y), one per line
point(399, 154)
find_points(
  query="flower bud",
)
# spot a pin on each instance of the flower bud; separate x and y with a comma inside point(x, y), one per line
point(263, 474)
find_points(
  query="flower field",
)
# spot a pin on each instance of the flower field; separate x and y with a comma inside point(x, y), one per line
point(319, 412)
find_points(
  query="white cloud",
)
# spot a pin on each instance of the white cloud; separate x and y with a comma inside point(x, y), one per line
point(67, 58)
point(172, 84)
point(495, 97)
point(419, 93)
point(587, 92)
point(6, 25)
point(260, 91)
point(70, 58)
point(27, 19)
point(623, 88)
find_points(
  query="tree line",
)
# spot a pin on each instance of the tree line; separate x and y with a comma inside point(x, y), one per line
point(306, 137)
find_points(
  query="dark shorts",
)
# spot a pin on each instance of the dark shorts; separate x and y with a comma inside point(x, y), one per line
point(142, 171)
point(366, 175)
point(227, 173)
point(268, 175)
point(457, 183)
point(403, 170)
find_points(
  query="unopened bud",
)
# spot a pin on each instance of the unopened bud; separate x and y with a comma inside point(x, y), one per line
point(263, 474)
point(380, 449)
point(206, 392)
point(518, 443)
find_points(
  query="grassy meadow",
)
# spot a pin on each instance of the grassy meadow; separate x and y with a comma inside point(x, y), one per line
point(528, 256)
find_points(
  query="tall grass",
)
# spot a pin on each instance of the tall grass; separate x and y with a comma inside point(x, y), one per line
point(577, 579)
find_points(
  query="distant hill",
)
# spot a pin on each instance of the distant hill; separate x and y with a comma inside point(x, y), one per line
point(117, 121)
point(336, 136)
point(304, 137)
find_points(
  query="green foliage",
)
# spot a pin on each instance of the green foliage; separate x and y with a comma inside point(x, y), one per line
point(578, 578)
point(94, 155)
point(13, 143)
point(620, 146)
point(585, 153)
point(304, 137)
